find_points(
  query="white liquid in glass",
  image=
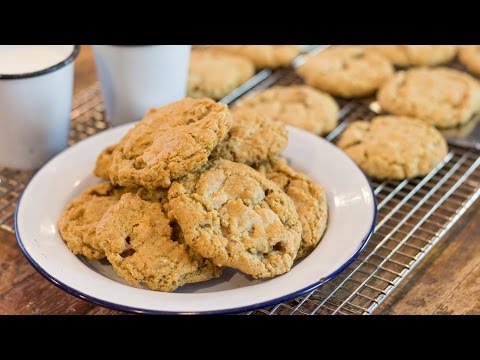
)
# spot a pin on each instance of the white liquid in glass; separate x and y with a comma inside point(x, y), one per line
point(20, 59)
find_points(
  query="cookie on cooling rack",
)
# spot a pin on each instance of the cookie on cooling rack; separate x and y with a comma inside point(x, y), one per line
point(215, 74)
point(442, 97)
point(416, 55)
point(394, 147)
point(264, 56)
point(233, 215)
point(300, 106)
point(346, 71)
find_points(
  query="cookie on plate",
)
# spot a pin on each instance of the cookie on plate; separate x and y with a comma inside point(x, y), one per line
point(346, 71)
point(253, 138)
point(233, 215)
point(215, 74)
point(103, 163)
point(264, 56)
point(416, 55)
point(309, 198)
point(300, 106)
point(79, 220)
point(470, 57)
point(144, 248)
point(393, 147)
point(442, 97)
point(169, 142)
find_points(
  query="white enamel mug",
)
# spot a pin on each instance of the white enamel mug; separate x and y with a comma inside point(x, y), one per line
point(137, 78)
point(36, 89)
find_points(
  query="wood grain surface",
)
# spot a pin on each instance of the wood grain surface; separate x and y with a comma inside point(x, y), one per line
point(447, 281)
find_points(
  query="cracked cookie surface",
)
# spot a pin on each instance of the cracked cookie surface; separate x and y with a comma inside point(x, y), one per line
point(300, 106)
point(442, 97)
point(394, 147)
point(470, 57)
point(346, 71)
point(252, 138)
point(416, 55)
point(233, 215)
point(144, 249)
point(215, 74)
point(309, 198)
point(79, 220)
point(264, 56)
point(169, 143)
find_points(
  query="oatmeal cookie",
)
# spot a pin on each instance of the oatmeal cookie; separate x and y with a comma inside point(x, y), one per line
point(416, 55)
point(442, 97)
point(346, 71)
point(169, 143)
point(309, 198)
point(144, 249)
point(253, 138)
point(300, 106)
point(103, 163)
point(215, 74)
point(232, 214)
point(393, 147)
point(470, 57)
point(78, 222)
point(264, 56)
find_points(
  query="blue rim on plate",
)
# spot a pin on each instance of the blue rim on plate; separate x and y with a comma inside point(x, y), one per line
point(264, 304)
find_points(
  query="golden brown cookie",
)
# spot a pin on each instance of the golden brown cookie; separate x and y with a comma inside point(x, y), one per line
point(79, 220)
point(215, 74)
point(442, 97)
point(300, 106)
point(144, 249)
point(393, 147)
point(309, 198)
point(233, 215)
point(416, 55)
point(252, 138)
point(264, 56)
point(169, 143)
point(103, 163)
point(346, 71)
point(470, 57)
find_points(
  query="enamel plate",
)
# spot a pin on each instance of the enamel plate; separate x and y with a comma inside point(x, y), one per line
point(352, 216)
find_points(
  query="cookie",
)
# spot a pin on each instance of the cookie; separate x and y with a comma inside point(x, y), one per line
point(442, 97)
point(79, 220)
point(346, 71)
point(169, 142)
point(309, 198)
point(103, 163)
point(392, 147)
point(300, 106)
point(470, 57)
point(416, 55)
point(253, 138)
point(215, 74)
point(144, 249)
point(264, 56)
point(233, 215)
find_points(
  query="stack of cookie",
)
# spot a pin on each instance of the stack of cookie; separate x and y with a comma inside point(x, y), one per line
point(193, 188)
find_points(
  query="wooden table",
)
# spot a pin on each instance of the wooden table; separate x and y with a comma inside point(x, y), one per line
point(447, 281)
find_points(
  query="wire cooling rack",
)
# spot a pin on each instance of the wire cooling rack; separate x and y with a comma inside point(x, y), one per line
point(413, 215)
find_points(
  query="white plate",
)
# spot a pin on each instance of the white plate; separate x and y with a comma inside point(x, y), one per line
point(352, 216)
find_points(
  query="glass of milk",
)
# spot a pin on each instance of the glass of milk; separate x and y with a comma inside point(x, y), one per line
point(136, 78)
point(36, 88)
